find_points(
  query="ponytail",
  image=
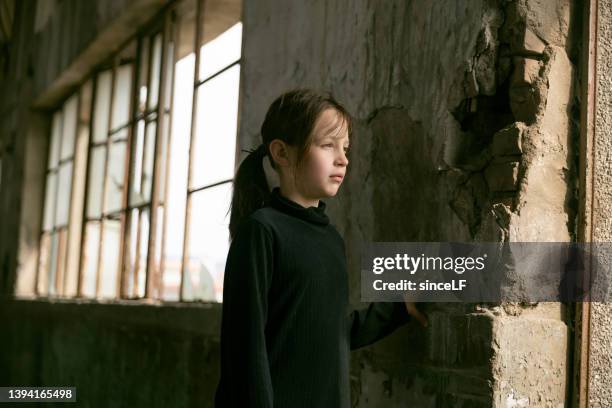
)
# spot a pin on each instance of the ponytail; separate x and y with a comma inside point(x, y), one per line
point(251, 190)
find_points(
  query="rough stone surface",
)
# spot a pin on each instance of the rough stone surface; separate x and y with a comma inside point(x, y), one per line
point(549, 20)
point(507, 142)
point(521, 38)
point(531, 43)
point(525, 101)
point(527, 89)
point(541, 96)
point(543, 195)
point(600, 361)
point(518, 357)
point(502, 176)
point(526, 72)
point(534, 24)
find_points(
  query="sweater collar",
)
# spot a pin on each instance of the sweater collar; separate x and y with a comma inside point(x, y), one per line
point(315, 215)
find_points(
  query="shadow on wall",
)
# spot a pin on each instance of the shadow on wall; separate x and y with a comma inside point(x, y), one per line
point(404, 179)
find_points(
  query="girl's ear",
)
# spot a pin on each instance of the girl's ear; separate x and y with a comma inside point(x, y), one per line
point(280, 153)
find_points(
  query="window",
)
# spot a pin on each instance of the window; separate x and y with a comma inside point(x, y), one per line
point(213, 151)
point(141, 160)
point(59, 254)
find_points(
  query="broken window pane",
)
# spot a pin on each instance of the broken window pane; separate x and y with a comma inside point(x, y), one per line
point(109, 272)
point(95, 183)
point(215, 141)
point(102, 107)
point(208, 243)
point(69, 127)
point(121, 96)
point(90, 259)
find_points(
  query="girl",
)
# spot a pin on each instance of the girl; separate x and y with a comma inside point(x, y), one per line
point(285, 331)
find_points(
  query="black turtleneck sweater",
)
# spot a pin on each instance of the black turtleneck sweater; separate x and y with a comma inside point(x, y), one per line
point(286, 331)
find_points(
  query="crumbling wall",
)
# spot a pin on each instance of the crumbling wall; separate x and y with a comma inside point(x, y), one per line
point(464, 131)
point(543, 205)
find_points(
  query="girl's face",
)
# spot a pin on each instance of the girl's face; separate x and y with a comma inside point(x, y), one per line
point(324, 166)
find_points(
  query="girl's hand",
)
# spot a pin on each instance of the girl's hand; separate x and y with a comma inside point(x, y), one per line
point(414, 312)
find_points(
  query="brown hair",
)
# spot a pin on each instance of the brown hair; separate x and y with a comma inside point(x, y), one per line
point(290, 118)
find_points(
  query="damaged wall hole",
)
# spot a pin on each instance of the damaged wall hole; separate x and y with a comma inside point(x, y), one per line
point(481, 118)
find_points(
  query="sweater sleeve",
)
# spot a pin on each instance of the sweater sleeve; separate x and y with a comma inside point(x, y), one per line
point(245, 372)
point(376, 321)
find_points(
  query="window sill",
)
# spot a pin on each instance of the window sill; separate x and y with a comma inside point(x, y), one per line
point(187, 317)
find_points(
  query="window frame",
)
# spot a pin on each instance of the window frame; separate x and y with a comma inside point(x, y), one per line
point(164, 24)
point(192, 139)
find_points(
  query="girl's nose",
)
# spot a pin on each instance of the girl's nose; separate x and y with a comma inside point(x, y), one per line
point(342, 160)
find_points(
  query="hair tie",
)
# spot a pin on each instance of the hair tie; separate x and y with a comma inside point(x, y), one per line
point(261, 150)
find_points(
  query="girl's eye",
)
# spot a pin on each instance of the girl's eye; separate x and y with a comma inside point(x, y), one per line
point(328, 145)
